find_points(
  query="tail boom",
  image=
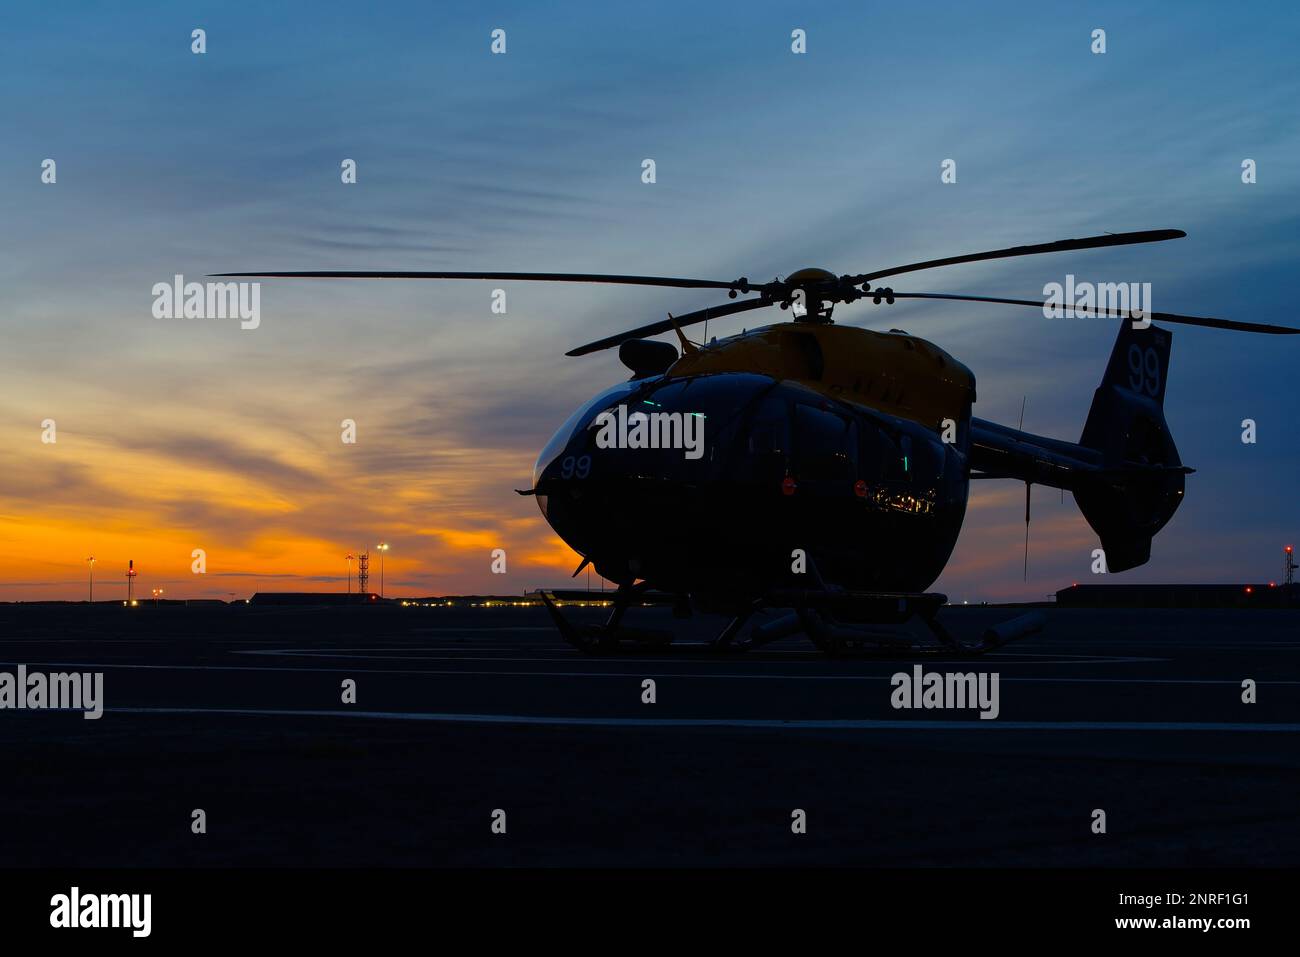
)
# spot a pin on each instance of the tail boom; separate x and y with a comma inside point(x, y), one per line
point(1124, 472)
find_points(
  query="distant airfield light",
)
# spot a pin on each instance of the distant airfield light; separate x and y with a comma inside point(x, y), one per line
point(383, 547)
point(1249, 590)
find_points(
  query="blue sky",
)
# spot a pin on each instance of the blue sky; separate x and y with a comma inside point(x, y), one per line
point(766, 161)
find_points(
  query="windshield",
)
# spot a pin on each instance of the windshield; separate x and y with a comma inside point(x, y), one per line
point(579, 420)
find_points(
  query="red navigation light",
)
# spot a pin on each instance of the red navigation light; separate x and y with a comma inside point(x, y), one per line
point(1288, 549)
point(788, 485)
point(860, 488)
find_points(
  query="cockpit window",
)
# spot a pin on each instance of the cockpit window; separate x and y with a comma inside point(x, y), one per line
point(580, 420)
point(718, 403)
point(715, 404)
point(826, 445)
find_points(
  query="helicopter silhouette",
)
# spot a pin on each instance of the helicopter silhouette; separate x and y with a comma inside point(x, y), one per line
point(836, 461)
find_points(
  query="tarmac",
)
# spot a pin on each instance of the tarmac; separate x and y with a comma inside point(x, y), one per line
point(466, 718)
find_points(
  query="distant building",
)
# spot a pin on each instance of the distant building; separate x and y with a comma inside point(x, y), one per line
point(1265, 595)
point(313, 598)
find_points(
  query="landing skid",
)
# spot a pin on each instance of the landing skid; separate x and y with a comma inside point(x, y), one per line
point(607, 638)
point(880, 626)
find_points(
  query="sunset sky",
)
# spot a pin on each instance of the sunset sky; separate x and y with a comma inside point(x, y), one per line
point(177, 434)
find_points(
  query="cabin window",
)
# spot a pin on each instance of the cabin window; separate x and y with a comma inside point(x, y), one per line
point(768, 439)
point(826, 445)
point(899, 466)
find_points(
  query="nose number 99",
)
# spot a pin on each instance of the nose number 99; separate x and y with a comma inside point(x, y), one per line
point(572, 467)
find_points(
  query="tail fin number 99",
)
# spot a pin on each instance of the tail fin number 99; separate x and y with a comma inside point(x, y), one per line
point(1144, 369)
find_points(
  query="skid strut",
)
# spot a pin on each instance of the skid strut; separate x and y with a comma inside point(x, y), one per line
point(605, 639)
point(879, 623)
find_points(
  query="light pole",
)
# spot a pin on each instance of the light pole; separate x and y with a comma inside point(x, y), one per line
point(383, 547)
point(349, 557)
point(91, 562)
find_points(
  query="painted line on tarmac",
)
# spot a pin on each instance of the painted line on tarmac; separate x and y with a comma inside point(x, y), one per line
point(838, 724)
point(629, 675)
point(812, 658)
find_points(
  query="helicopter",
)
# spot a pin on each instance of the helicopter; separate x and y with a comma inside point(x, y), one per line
point(836, 461)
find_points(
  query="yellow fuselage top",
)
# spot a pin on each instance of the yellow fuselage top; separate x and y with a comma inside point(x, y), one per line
point(890, 372)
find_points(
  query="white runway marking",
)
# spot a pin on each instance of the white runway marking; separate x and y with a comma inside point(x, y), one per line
point(863, 724)
point(812, 658)
point(456, 629)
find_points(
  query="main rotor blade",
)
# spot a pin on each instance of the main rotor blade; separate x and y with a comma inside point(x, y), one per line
point(1153, 316)
point(504, 276)
point(666, 325)
point(1063, 245)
